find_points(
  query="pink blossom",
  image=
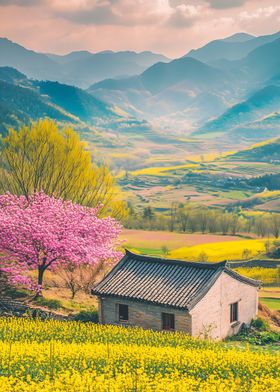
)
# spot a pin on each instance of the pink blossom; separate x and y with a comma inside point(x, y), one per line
point(43, 231)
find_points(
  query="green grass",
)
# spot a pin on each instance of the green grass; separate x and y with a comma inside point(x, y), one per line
point(49, 303)
point(149, 251)
point(235, 194)
point(272, 303)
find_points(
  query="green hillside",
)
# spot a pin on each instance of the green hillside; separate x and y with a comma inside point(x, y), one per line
point(76, 101)
point(246, 113)
point(21, 105)
point(268, 151)
point(12, 75)
point(23, 100)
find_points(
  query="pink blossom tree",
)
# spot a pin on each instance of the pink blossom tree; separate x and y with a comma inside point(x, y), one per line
point(43, 232)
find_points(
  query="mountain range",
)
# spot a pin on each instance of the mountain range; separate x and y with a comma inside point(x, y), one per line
point(182, 85)
point(229, 86)
point(23, 100)
point(204, 96)
point(268, 151)
point(251, 113)
point(80, 68)
point(232, 48)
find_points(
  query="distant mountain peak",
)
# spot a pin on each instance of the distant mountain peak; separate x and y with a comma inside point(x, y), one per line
point(235, 47)
point(79, 52)
point(81, 68)
point(239, 37)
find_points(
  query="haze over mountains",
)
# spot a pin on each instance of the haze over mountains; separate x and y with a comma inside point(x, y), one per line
point(23, 100)
point(251, 113)
point(232, 48)
point(80, 68)
point(191, 93)
point(229, 86)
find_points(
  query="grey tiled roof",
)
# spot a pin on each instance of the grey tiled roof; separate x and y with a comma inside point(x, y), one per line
point(167, 282)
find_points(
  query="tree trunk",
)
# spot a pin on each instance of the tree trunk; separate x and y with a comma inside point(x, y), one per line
point(41, 270)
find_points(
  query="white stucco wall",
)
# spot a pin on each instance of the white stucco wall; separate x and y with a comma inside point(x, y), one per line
point(212, 314)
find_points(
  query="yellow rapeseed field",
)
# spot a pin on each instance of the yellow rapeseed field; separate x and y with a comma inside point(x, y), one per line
point(37, 356)
point(266, 275)
point(219, 251)
point(161, 171)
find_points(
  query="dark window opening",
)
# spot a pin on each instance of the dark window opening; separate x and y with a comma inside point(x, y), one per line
point(234, 312)
point(123, 312)
point(168, 321)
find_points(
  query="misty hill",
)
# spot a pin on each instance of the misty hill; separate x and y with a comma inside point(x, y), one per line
point(12, 75)
point(76, 101)
point(263, 152)
point(239, 37)
point(161, 76)
point(73, 56)
point(21, 105)
point(193, 91)
point(239, 96)
point(34, 65)
point(260, 104)
point(143, 59)
point(77, 68)
point(182, 84)
point(264, 128)
point(264, 62)
point(109, 64)
point(232, 48)
point(195, 73)
point(32, 100)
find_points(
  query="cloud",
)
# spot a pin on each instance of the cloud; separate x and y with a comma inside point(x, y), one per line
point(172, 13)
point(169, 26)
point(113, 12)
point(260, 13)
point(223, 4)
point(184, 16)
point(21, 3)
point(98, 13)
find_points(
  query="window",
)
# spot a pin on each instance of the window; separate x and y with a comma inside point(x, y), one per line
point(168, 321)
point(234, 312)
point(123, 312)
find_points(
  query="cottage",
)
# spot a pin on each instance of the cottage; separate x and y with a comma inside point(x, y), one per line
point(163, 294)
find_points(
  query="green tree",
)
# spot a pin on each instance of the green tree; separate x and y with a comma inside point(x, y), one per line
point(202, 257)
point(148, 213)
point(165, 250)
point(44, 157)
point(246, 253)
point(275, 224)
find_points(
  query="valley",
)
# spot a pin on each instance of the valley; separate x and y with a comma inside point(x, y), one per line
point(211, 179)
point(152, 166)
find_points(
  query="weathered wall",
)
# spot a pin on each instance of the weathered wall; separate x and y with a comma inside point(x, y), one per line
point(142, 315)
point(212, 314)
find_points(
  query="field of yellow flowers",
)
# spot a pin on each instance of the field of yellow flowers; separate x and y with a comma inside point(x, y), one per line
point(68, 356)
point(219, 251)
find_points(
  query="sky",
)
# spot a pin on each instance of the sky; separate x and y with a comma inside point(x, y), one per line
point(171, 27)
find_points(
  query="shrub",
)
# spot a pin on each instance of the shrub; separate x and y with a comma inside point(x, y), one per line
point(202, 257)
point(260, 324)
point(259, 333)
point(49, 303)
point(87, 316)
